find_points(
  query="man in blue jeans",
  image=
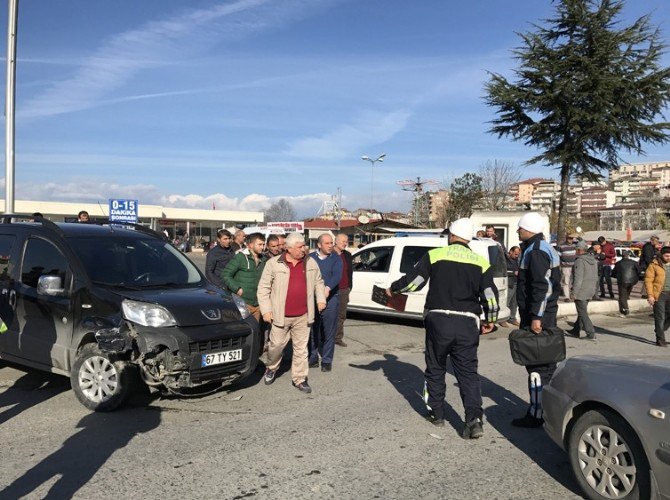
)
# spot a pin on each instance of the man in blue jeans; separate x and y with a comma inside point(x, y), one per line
point(322, 336)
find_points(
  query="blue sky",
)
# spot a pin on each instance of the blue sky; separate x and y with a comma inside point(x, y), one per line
point(242, 102)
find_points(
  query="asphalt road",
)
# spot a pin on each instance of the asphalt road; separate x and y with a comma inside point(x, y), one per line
point(360, 434)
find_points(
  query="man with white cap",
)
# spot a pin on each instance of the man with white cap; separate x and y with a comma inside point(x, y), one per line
point(461, 286)
point(537, 292)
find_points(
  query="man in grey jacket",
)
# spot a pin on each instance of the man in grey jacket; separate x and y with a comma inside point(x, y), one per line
point(584, 282)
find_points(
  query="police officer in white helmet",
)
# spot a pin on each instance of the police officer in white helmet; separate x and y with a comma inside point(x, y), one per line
point(461, 286)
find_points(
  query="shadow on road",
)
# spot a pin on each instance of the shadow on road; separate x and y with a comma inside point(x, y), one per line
point(82, 454)
point(31, 389)
point(408, 380)
point(627, 336)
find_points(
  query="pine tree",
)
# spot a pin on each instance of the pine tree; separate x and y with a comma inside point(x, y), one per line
point(587, 89)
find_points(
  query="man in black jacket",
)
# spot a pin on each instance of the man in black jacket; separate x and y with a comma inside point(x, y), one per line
point(627, 274)
point(537, 292)
point(461, 286)
point(346, 284)
point(218, 258)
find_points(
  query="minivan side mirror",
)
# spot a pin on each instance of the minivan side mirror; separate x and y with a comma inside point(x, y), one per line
point(50, 285)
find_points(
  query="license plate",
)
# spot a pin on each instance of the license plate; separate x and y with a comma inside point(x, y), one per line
point(218, 358)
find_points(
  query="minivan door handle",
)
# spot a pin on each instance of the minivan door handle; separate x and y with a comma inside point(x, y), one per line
point(12, 299)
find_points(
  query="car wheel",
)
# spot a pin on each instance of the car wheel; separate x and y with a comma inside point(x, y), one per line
point(607, 457)
point(99, 381)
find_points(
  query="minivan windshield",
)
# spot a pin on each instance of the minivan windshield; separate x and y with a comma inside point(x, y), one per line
point(134, 262)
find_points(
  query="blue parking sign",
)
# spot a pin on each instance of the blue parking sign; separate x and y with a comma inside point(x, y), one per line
point(124, 211)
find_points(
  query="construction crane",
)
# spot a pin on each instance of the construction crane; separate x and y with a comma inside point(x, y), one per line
point(420, 200)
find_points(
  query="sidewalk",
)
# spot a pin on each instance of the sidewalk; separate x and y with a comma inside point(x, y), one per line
point(604, 306)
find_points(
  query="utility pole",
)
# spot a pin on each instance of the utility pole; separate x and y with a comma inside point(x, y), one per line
point(419, 203)
point(10, 104)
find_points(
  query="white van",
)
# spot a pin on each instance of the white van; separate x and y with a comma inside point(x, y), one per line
point(384, 261)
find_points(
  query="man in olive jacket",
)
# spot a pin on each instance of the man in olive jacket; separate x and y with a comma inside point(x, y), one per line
point(290, 285)
point(657, 285)
point(243, 272)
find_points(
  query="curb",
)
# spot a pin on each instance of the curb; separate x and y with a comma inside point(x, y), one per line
point(603, 307)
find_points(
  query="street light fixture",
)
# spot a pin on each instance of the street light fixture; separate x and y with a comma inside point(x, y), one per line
point(380, 158)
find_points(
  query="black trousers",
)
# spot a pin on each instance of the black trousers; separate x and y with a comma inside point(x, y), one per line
point(606, 277)
point(624, 293)
point(583, 319)
point(457, 337)
point(549, 319)
point(662, 315)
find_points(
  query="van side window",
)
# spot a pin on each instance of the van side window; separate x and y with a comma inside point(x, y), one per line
point(6, 243)
point(498, 262)
point(41, 258)
point(373, 260)
point(410, 256)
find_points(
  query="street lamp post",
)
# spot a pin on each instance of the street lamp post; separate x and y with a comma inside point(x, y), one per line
point(380, 158)
point(12, 22)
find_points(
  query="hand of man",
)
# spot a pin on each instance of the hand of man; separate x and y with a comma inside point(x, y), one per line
point(487, 328)
point(267, 317)
point(536, 326)
point(321, 306)
point(240, 292)
point(651, 300)
point(389, 293)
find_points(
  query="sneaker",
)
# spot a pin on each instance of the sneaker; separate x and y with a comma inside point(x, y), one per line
point(528, 422)
point(473, 429)
point(341, 343)
point(661, 343)
point(326, 367)
point(269, 376)
point(437, 422)
point(314, 364)
point(303, 387)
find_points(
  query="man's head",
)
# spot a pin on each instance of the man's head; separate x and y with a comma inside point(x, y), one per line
point(597, 248)
point(282, 242)
point(341, 242)
point(82, 216)
point(239, 237)
point(325, 244)
point(581, 248)
point(654, 240)
point(570, 238)
point(602, 240)
point(295, 246)
point(625, 254)
point(665, 255)
point(256, 243)
point(224, 237)
point(530, 224)
point(273, 245)
point(514, 252)
point(490, 231)
point(461, 230)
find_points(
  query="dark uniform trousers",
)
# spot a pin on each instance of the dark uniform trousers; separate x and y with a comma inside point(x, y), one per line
point(544, 371)
point(458, 337)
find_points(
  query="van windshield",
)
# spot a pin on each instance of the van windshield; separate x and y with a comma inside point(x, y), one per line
point(134, 262)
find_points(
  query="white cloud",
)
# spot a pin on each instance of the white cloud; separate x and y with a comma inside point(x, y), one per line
point(371, 128)
point(162, 42)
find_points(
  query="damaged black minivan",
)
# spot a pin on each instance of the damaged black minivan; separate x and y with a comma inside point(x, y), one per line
point(109, 306)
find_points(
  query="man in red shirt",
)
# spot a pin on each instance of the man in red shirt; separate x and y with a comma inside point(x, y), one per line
point(287, 291)
point(610, 259)
point(341, 243)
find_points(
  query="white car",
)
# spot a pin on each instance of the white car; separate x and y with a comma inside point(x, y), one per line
point(384, 261)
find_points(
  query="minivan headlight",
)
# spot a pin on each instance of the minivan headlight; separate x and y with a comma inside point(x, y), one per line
point(146, 314)
point(241, 305)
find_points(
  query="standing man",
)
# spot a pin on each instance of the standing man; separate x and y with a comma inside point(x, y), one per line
point(657, 285)
point(627, 274)
point(219, 257)
point(512, 258)
point(461, 285)
point(272, 246)
point(238, 240)
point(83, 217)
point(537, 295)
point(282, 242)
point(610, 258)
point(346, 283)
point(322, 337)
point(567, 253)
point(649, 251)
point(584, 280)
point(243, 273)
point(289, 287)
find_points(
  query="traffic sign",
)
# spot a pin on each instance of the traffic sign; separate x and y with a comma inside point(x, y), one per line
point(123, 211)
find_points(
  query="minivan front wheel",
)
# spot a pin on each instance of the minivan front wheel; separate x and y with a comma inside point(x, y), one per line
point(99, 381)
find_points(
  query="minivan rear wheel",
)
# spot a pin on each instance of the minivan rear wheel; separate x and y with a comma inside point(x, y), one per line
point(99, 380)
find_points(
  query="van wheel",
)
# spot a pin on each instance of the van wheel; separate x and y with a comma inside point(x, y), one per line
point(99, 381)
